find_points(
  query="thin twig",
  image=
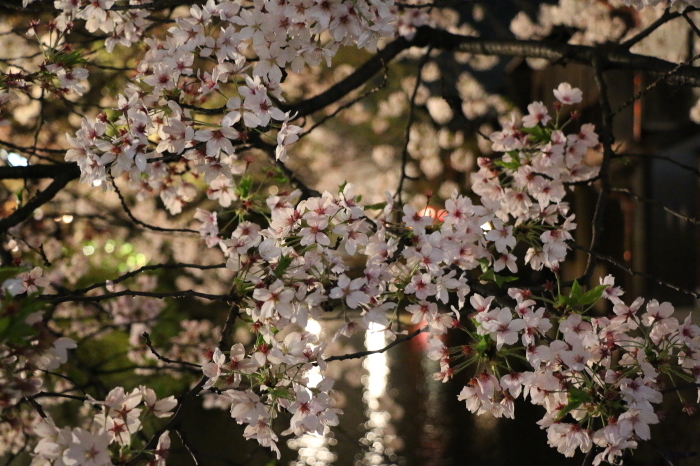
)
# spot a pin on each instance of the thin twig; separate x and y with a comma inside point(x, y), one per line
point(146, 268)
point(143, 224)
point(663, 19)
point(665, 158)
point(194, 453)
point(64, 377)
point(184, 401)
point(680, 387)
point(59, 395)
point(350, 103)
point(656, 203)
point(163, 358)
point(55, 299)
point(34, 203)
point(662, 78)
point(692, 24)
point(40, 250)
point(36, 405)
point(630, 271)
point(409, 123)
point(362, 354)
point(608, 140)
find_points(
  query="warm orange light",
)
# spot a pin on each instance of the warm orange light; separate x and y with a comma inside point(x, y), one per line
point(432, 212)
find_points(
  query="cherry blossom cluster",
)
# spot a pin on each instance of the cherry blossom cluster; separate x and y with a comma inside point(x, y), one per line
point(301, 265)
point(27, 345)
point(214, 82)
point(526, 185)
point(207, 57)
point(111, 436)
point(279, 375)
point(61, 72)
point(596, 377)
point(124, 26)
point(210, 82)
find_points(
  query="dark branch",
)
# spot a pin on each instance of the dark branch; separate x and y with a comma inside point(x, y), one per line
point(184, 401)
point(666, 17)
point(360, 76)
point(409, 123)
point(37, 201)
point(656, 203)
point(362, 354)
point(55, 299)
point(665, 158)
point(608, 140)
point(607, 56)
point(144, 224)
point(163, 358)
point(146, 268)
point(630, 271)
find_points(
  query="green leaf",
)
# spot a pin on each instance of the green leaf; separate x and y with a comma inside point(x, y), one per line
point(484, 265)
point(593, 295)
point(576, 398)
point(279, 177)
point(499, 280)
point(244, 187)
point(538, 133)
point(280, 393)
point(67, 60)
point(576, 292)
point(578, 298)
point(282, 265)
point(483, 344)
point(377, 206)
point(512, 165)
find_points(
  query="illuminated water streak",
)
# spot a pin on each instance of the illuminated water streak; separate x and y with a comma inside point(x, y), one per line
point(434, 436)
point(313, 448)
point(379, 434)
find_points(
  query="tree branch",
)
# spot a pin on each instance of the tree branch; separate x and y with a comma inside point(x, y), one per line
point(409, 123)
point(656, 203)
point(55, 299)
point(608, 56)
point(630, 271)
point(362, 354)
point(144, 224)
point(663, 19)
point(175, 421)
point(163, 358)
point(608, 140)
point(146, 268)
point(37, 201)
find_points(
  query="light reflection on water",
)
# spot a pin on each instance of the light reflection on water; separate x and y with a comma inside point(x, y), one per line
point(379, 430)
point(313, 448)
point(379, 439)
point(405, 416)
